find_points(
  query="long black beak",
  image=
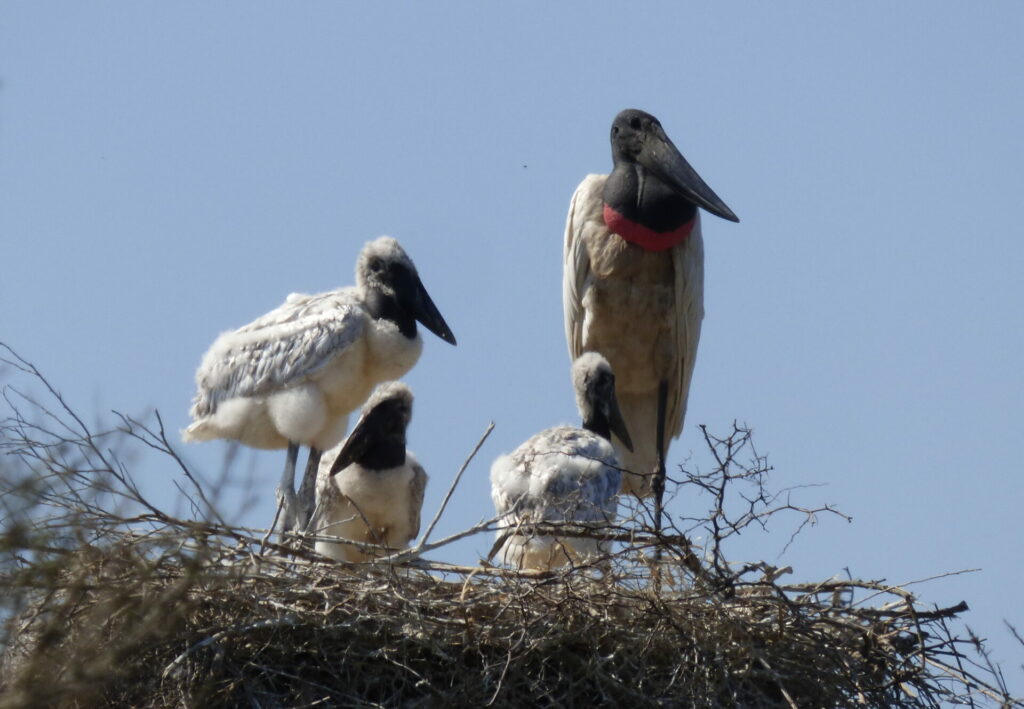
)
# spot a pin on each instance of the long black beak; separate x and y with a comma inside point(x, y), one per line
point(424, 310)
point(617, 424)
point(355, 446)
point(660, 156)
point(370, 428)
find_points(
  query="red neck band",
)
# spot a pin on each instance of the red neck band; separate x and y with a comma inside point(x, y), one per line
point(644, 237)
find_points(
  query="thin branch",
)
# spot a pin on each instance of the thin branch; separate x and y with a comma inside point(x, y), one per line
point(451, 489)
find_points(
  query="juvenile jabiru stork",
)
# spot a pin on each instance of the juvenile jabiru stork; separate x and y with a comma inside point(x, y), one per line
point(291, 377)
point(372, 490)
point(562, 474)
point(633, 286)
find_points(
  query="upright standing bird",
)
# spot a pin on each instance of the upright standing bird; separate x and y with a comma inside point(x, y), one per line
point(562, 474)
point(633, 285)
point(372, 491)
point(291, 377)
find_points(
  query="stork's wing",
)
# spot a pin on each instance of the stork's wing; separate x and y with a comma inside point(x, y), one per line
point(688, 263)
point(417, 487)
point(585, 204)
point(283, 347)
point(585, 479)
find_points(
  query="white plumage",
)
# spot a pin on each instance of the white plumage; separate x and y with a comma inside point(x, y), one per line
point(563, 474)
point(362, 501)
point(292, 376)
point(296, 373)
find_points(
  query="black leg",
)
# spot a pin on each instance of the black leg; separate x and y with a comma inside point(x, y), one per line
point(658, 484)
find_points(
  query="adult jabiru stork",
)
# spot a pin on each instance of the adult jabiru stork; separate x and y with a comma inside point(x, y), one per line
point(562, 474)
point(291, 377)
point(633, 286)
point(371, 491)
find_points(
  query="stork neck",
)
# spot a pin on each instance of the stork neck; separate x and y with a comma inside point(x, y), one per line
point(383, 454)
point(642, 236)
point(645, 211)
point(385, 306)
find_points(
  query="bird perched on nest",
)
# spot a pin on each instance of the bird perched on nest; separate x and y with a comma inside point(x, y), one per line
point(564, 474)
point(372, 490)
point(291, 377)
point(633, 286)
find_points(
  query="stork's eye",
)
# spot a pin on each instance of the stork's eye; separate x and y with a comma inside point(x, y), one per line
point(615, 131)
point(634, 123)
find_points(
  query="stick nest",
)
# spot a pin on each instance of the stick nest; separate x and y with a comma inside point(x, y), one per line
point(110, 601)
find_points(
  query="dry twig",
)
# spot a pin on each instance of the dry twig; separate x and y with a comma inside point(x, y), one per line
point(110, 600)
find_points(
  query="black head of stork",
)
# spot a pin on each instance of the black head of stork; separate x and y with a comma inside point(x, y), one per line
point(652, 185)
point(594, 383)
point(393, 289)
point(378, 440)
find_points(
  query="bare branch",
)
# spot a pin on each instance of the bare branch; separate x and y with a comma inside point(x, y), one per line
point(455, 482)
point(109, 599)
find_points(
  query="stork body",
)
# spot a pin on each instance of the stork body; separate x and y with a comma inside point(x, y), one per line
point(633, 285)
point(370, 489)
point(291, 377)
point(628, 304)
point(563, 474)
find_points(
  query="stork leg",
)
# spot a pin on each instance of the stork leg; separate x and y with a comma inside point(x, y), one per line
point(307, 491)
point(658, 484)
point(284, 521)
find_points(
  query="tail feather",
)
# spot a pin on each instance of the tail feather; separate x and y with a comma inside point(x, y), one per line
point(197, 432)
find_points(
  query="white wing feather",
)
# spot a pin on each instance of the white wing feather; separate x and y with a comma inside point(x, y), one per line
point(563, 474)
point(576, 261)
point(688, 262)
point(283, 347)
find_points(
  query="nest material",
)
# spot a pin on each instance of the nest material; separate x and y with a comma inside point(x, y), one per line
point(185, 618)
point(109, 601)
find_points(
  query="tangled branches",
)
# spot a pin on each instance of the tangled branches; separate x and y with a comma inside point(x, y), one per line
point(109, 600)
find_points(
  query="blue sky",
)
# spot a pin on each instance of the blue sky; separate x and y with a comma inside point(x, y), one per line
point(169, 171)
